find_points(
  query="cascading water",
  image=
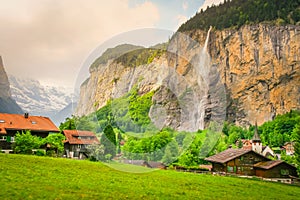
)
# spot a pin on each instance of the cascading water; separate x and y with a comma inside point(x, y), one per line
point(203, 81)
point(131, 78)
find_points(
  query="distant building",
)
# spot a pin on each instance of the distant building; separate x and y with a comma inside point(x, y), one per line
point(251, 163)
point(149, 164)
point(289, 148)
point(11, 124)
point(77, 141)
point(256, 145)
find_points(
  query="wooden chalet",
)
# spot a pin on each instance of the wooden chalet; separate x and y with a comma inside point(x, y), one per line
point(77, 141)
point(11, 124)
point(250, 163)
point(238, 161)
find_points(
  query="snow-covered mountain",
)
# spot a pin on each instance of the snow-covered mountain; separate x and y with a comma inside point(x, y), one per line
point(38, 99)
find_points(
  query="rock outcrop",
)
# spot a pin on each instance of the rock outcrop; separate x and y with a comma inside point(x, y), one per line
point(245, 75)
point(7, 104)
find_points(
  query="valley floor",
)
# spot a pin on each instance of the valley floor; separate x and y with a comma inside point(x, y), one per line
point(32, 177)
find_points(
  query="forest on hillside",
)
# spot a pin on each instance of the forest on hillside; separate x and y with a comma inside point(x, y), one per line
point(236, 13)
point(126, 120)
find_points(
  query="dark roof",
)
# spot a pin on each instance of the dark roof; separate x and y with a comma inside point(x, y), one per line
point(227, 155)
point(20, 122)
point(270, 164)
point(80, 137)
point(153, 164)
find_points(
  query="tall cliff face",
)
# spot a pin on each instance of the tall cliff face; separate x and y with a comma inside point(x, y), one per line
point(251, 74)
point(260, 67)
point(7, 104)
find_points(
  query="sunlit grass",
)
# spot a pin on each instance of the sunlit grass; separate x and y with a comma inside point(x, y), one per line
point(30, 177)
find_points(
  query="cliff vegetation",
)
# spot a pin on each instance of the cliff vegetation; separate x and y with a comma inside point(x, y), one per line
point(236, 13)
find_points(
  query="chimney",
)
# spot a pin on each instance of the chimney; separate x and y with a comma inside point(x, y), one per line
point(26, 115)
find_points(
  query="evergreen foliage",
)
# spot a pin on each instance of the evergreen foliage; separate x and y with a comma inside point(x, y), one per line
point(129, 113)
point(236, 13)
point(108, 140)
point(112, 53)
point(139, 57)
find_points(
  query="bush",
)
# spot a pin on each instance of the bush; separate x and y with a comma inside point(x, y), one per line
point(25, 143)
point(40, 152)
point(51, 153)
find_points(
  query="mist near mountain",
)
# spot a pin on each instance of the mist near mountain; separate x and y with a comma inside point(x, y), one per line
point(41, 100)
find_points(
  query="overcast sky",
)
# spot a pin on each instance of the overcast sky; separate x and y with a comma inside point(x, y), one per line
point(49, 40)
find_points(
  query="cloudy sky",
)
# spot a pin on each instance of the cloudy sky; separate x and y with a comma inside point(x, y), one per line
point(49, 40)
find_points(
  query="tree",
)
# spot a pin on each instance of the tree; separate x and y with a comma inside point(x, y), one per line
point(171, 152)
point(69, 124)
point(296, 134)
point(240, 143)
point(55, 143)
point(95, 152)
point(108, 140)
point(25, 143)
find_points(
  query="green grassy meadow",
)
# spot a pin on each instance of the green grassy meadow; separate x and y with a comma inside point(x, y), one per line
point(32, 177)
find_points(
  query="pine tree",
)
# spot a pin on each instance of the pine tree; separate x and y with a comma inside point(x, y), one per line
point(108, 140)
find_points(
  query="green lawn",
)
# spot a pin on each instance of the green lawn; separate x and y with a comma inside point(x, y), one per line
point(30, 177)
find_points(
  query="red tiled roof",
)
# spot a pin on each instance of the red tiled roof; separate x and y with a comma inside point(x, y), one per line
point(19, 122)
point(80, 137)
point(227, 155)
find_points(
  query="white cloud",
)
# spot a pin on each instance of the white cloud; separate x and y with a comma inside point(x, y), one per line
point(209, 3)
point(185, 5)
point(49, 39)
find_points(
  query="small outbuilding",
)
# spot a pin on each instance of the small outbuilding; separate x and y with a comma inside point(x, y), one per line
point(275, 169)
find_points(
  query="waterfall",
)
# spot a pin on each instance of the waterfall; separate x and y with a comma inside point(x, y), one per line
point(131, 78)
point(207, 38)
point(203, 81)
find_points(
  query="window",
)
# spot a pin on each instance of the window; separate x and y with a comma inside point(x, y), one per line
point(12, 139)
point(2, 138)
point(229, 169)
point(242, 157)
point(2, 121)
point(33, 122)
point(284, 172)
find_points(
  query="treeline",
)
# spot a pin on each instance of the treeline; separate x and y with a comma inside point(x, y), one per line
point(126, 129)
point(236, 13)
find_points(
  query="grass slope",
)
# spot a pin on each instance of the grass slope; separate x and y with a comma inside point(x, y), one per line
point(30, 177)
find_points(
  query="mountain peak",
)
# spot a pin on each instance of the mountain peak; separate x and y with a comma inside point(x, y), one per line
point(7, 104)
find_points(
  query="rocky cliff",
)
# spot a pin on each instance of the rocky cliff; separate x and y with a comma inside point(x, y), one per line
point(7, 104)
point(245, 75)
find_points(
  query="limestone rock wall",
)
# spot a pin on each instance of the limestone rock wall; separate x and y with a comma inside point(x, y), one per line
point(257, 65)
